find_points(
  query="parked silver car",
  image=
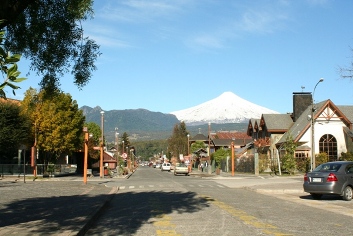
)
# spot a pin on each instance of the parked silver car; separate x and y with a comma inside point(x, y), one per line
point(330, 178)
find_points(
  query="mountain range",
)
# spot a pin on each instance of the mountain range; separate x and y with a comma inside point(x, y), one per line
point(226, 112)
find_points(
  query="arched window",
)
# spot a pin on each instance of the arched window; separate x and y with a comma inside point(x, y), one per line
point(328, 144)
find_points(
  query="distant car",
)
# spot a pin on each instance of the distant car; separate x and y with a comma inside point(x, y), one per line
point(158, 165)
point(330, 178)
point(165, 167)
point(181, 168)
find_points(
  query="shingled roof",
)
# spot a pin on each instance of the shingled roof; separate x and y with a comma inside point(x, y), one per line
point(276, 122)
point(303, 123)
point(199, 137)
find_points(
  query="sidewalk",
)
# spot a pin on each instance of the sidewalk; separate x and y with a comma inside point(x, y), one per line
point(36, 207)
point(67, 206)
point(263, 183)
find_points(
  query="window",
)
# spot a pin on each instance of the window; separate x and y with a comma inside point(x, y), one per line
point(328, 144)
point(328, 167)
point(349, 169)
point(300, 154)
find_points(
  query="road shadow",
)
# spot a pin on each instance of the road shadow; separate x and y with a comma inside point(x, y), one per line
point(47, 208)
point(326, 197)
point(129, 211)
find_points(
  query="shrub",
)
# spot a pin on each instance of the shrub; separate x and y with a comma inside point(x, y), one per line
point(321, 158)
point(346, 156)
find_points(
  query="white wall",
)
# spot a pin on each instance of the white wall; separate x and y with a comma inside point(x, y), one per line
point(322, 127)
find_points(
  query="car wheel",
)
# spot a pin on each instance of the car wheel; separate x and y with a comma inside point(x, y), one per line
point(316, 196)
point(347, 193)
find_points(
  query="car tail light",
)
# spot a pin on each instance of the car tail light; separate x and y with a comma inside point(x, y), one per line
point(331, 178)
point(306, 178)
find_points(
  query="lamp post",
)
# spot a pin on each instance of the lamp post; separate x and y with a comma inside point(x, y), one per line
point(101, 146)
point(189, 166)
point(188, 143)
point(85, 130)
point(128, 159)
point(232, 146)
point(209, 167)
point(123, 147)
point(34, 152)
point(312, 166)
point(132, 160)
point(117, 146)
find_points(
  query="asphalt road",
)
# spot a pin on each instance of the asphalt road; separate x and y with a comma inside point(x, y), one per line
point(152, 202)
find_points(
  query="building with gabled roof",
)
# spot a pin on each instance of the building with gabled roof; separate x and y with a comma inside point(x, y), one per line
point(226, 138)
point(332, 125)
point(333, 129)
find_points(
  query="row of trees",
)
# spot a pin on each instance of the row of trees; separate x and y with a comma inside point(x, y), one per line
point(53, 123)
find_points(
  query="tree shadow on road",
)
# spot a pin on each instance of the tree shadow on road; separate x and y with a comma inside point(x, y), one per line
point(47, 208)
point(129, 211)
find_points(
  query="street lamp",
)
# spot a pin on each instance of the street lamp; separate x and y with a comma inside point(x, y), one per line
point(209, 149)
point(117, 146)
point(128, 159)
point(190, 163)
point(312, 166)
point(101, 146)
point(85, 130)
point(188, 143)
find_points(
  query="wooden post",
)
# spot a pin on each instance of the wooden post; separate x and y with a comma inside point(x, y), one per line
point(232, 159)
point(86, 157)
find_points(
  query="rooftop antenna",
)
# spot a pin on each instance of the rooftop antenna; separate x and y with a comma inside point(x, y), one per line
point(303, 87)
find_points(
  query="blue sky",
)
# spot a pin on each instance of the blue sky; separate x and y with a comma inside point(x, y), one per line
point(169, 55)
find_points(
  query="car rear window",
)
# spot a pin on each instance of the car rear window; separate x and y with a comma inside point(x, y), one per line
point(180, 165)
point(328, 167)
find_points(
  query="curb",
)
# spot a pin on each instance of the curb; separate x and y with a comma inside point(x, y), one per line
point(275, 191)
point(95, 215)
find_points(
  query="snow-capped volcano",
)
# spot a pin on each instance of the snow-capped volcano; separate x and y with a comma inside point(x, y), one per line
point(227, 108)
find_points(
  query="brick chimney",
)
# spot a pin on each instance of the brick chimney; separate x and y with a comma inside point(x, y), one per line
point(301, 101)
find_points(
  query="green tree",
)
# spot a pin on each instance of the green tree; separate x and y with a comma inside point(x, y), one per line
point(321, 158)
point(94, 134)
point(197, 145)
point(346, 156)
point(147, 149)
point(14, 129)
point(8, 68)
point(58, 121)
point(49, 33)
point(288, 160)
point(124, 142)
point(178, 142)
point(220, 155)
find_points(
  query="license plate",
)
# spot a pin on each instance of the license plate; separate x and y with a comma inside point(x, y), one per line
point(317, 180)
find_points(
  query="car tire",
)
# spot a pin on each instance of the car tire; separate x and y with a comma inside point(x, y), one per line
point(316, 196)
point(347, 193)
